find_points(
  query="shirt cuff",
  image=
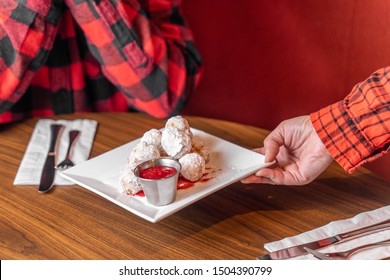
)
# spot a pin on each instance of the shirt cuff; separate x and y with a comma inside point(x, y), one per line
point(345, 142)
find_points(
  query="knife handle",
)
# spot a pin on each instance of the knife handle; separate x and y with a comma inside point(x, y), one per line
point(55, 130)
point(374, 227)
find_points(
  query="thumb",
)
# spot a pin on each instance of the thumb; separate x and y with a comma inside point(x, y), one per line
point(271, 147)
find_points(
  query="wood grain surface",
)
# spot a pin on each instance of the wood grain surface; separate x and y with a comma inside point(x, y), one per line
point(71, 222)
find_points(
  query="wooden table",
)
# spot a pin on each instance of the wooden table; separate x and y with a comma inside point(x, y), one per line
point(71, 222)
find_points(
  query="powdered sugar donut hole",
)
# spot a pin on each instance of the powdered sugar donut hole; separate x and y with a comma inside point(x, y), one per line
point(192, 166)
point(179, 123)
point(176, 143)
point(152, 137)
point(142, 152)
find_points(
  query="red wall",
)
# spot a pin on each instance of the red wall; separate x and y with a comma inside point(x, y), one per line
point(266, 61)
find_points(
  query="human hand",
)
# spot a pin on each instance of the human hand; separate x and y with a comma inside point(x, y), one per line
point(300, 154)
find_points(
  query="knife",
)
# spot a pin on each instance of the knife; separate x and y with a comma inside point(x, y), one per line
point(48, 172)
point(299, 250)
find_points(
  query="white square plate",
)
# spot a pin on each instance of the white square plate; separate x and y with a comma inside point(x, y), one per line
point(229, 163)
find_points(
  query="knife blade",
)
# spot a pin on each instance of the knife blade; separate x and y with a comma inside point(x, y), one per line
point(300, 250)
point(48, 171)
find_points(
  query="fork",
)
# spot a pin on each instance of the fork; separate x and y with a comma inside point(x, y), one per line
point(67, 162)
point(345, 255)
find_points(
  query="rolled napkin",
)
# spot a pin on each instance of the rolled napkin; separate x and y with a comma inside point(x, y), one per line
point(341, 226)
point(30, 169)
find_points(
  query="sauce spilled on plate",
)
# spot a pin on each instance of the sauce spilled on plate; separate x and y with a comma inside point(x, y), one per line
point(183, 183)
point(157, 172)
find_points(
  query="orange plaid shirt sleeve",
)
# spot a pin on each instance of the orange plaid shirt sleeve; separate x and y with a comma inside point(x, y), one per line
point(356, 130)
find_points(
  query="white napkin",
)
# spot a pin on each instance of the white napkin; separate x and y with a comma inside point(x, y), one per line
point(30, 168)
point(336, 227)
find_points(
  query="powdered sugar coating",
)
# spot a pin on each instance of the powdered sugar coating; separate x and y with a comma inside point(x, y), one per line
point(129, 181)
point(192, 166)
point(176, 143)
point(201, 149)
point(152, 137)
point(142, 152)
point(179, 123)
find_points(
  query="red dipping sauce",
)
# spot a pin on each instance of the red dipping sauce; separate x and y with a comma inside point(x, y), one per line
point(157, 172)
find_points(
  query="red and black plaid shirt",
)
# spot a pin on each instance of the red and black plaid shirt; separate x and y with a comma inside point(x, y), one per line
point(66, 56)
point(357, 130)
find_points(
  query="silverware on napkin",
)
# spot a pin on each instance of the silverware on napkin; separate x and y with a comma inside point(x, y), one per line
point(48, 172)
point(301, 249)
point(345, 255)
